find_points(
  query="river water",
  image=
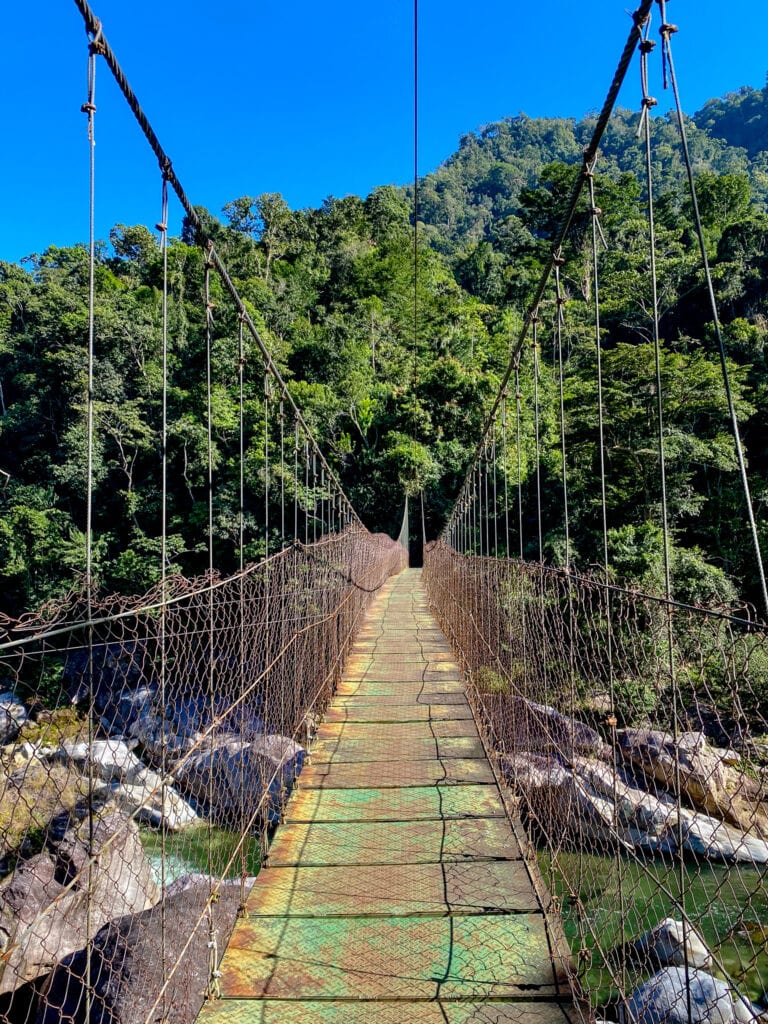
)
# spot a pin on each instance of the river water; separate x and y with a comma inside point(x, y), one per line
point(728, 904)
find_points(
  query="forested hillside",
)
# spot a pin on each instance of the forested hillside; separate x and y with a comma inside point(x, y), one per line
point(399, 409)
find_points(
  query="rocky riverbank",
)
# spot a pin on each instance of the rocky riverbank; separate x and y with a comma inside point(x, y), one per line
point(75, 817)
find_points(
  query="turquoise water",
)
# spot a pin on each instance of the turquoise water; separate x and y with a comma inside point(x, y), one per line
point(193, 850)
point(606, 901)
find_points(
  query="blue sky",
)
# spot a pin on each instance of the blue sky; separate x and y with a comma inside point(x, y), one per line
point(309, 99)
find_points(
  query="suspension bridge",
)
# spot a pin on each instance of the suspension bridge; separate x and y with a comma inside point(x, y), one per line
point(330, 786)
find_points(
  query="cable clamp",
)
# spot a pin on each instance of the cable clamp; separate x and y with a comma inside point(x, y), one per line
point(649, 101)
point(667, 30)
point(161, 227)
point(88, 108)
point(647, 46)
point(596, 211)
point(558, 261)
point(96, 45)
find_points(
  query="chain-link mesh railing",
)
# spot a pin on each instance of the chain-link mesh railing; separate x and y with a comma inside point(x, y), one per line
point(632, 735)
point(145, 758)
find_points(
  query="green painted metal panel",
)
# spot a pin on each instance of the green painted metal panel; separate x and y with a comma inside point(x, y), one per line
point(389, 958)
point(411, 804)
point(392, 842)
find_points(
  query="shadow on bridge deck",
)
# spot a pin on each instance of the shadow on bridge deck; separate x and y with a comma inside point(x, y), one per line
point(396, 892)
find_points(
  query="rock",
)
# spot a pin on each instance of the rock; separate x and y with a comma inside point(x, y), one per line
point(41, 920)
point(663, 999)
point(112, 760)
point(720, 729)
point(577, 801)
point(236, 775)
point(708, 837)
point(143, 800)
point(13, 715)
point(122, 680)
point(127, 963)
point(184, 726)
point(542, 729)
point(643, 820)
point(31, 797)
point(708, 779)
point(664, 946)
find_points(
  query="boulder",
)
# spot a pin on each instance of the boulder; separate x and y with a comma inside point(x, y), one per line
point(664, 999)
point(557, 801)
point(30, 798)
point(708, 837)
point(184, 723)
point(13, 714)
point(576, 800)
point(229, 778)
point(542, 729)
point(708, 778)
point(112, 759)
point(46, 910)
point(669, 944)
point(126, 969)
point(145, 800)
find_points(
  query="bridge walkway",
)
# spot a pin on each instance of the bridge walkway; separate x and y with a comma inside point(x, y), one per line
point(395, 892)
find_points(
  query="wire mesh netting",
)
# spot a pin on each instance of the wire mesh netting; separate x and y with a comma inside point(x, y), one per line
point(632, 734)
point(147, 755)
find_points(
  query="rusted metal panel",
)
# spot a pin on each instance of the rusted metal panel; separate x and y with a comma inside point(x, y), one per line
point(411, 804)
point(389, 958)
point(454, 771)
point(390, 842)
point(393, 890)
point(387, 748)
point(372, 732)
point(368, 712)
point(276, 1011)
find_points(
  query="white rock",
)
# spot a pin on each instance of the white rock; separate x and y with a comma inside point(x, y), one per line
point(13, 715)
point(713, 839)
point(665, 945)
point(148, 803)
point(664, 999)
point(111, 759)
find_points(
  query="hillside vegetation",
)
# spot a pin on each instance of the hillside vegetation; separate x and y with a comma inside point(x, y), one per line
point(399, 407)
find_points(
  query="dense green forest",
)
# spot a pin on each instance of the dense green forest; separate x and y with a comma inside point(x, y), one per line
point(398, 408)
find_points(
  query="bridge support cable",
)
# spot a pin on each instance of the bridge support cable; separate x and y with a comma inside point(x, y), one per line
point(645, 129)
point(624, 719)
point(180, 718)
point(89, 108)
point(666, 31)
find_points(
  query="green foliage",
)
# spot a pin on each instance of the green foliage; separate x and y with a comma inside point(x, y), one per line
point(489, 681)
point(396, 404)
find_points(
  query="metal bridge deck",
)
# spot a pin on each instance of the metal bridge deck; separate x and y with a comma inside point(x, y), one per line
point(395, 892)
